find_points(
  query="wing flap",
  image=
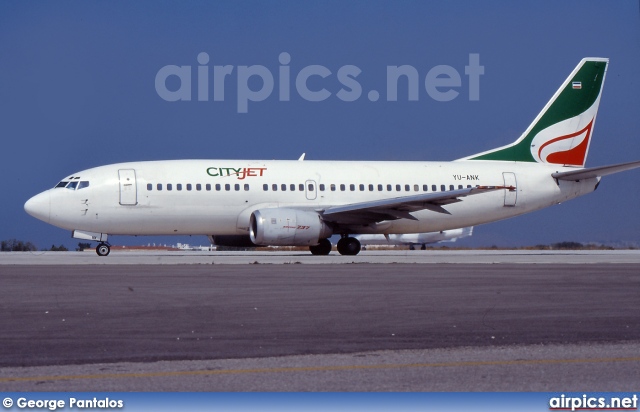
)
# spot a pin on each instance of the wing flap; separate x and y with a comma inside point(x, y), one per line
point(401, 207)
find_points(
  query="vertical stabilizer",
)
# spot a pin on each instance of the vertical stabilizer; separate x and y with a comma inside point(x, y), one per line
point(561, 133)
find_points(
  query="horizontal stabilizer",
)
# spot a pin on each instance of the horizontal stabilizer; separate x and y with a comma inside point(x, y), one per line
point(593, 172)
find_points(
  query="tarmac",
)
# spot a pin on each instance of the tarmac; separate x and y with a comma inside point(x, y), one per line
point(289, 321)
point(120, 257)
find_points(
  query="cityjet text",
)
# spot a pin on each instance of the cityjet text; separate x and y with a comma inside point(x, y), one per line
point(240, 172)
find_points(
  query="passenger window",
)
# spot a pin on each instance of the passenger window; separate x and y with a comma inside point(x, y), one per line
point(301, 187)
point(149, 187)
point(468, 186)
point(425, 188)
point(265, 187)
point(398, 188)
point(283, 187)
point(352, 187)
point(371, 188)
point(459, 186)
point(379, 188)
point(321, 187)
point(311, 187)
point(237, 187)
point(407, 188)
point(72, 185)
point(342, 187)
point(198, 187)
point(292, 187)
point(189, 186)
point(159, 186)
point(416, 188)
point(227, 187)
point(246, 187)
point(443, 188)
point(218, 187)
point(333, 187)
point(274, 187)
point(169, 186)
point(179, 186)
point(451, 187)
point(389, 188)
point(361, 187)
point(434, 188)
point(208, 187)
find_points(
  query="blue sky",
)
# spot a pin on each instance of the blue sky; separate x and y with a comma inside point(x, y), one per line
point(77, 88)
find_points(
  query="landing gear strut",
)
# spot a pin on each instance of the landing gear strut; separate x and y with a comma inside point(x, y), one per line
point(322, 248)
point(349, 246)
point(103, 249)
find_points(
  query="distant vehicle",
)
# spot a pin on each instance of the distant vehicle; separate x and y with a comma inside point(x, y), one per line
point(304, 203)
point(412, 239)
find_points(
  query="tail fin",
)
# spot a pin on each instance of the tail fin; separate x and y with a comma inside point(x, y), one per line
point(561, 133)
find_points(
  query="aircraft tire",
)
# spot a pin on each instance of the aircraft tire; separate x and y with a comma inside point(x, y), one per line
point(341, 245)
point(349, 246)
point(323, 248)
point(103, 249)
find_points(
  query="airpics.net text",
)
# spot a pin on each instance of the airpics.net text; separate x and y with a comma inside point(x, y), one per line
point(256, 83)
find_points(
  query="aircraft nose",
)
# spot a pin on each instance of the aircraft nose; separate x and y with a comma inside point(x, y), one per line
point(39, 206)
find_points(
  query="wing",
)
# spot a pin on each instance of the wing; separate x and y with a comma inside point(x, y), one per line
point(401, 207)
point(592, 172)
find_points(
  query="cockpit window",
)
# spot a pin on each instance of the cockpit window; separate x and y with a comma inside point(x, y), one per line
point(73, 185)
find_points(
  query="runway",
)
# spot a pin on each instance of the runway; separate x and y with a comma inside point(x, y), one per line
point(428, 257)
point(312, 327)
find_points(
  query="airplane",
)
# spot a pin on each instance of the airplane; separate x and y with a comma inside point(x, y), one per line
point(295, 203)
point(412, 239)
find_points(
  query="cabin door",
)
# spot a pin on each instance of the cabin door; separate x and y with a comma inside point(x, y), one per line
point(510, 196)
point(128, 187)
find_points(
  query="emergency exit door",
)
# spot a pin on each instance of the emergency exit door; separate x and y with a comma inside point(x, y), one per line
point(310, 189)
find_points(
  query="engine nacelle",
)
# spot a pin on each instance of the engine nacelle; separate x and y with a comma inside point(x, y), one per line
point(287, 227)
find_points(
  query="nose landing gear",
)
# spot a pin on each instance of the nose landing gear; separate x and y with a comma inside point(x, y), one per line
point(103, 249)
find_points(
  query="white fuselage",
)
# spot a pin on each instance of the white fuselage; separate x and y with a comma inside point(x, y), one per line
point(450, 235)
point(207, 197)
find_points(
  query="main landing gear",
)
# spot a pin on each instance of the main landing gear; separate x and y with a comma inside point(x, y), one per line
point(322, 248)
point(349, 246)
point(103, 249)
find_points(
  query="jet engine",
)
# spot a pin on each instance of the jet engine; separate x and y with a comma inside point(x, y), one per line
point(287, 227)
